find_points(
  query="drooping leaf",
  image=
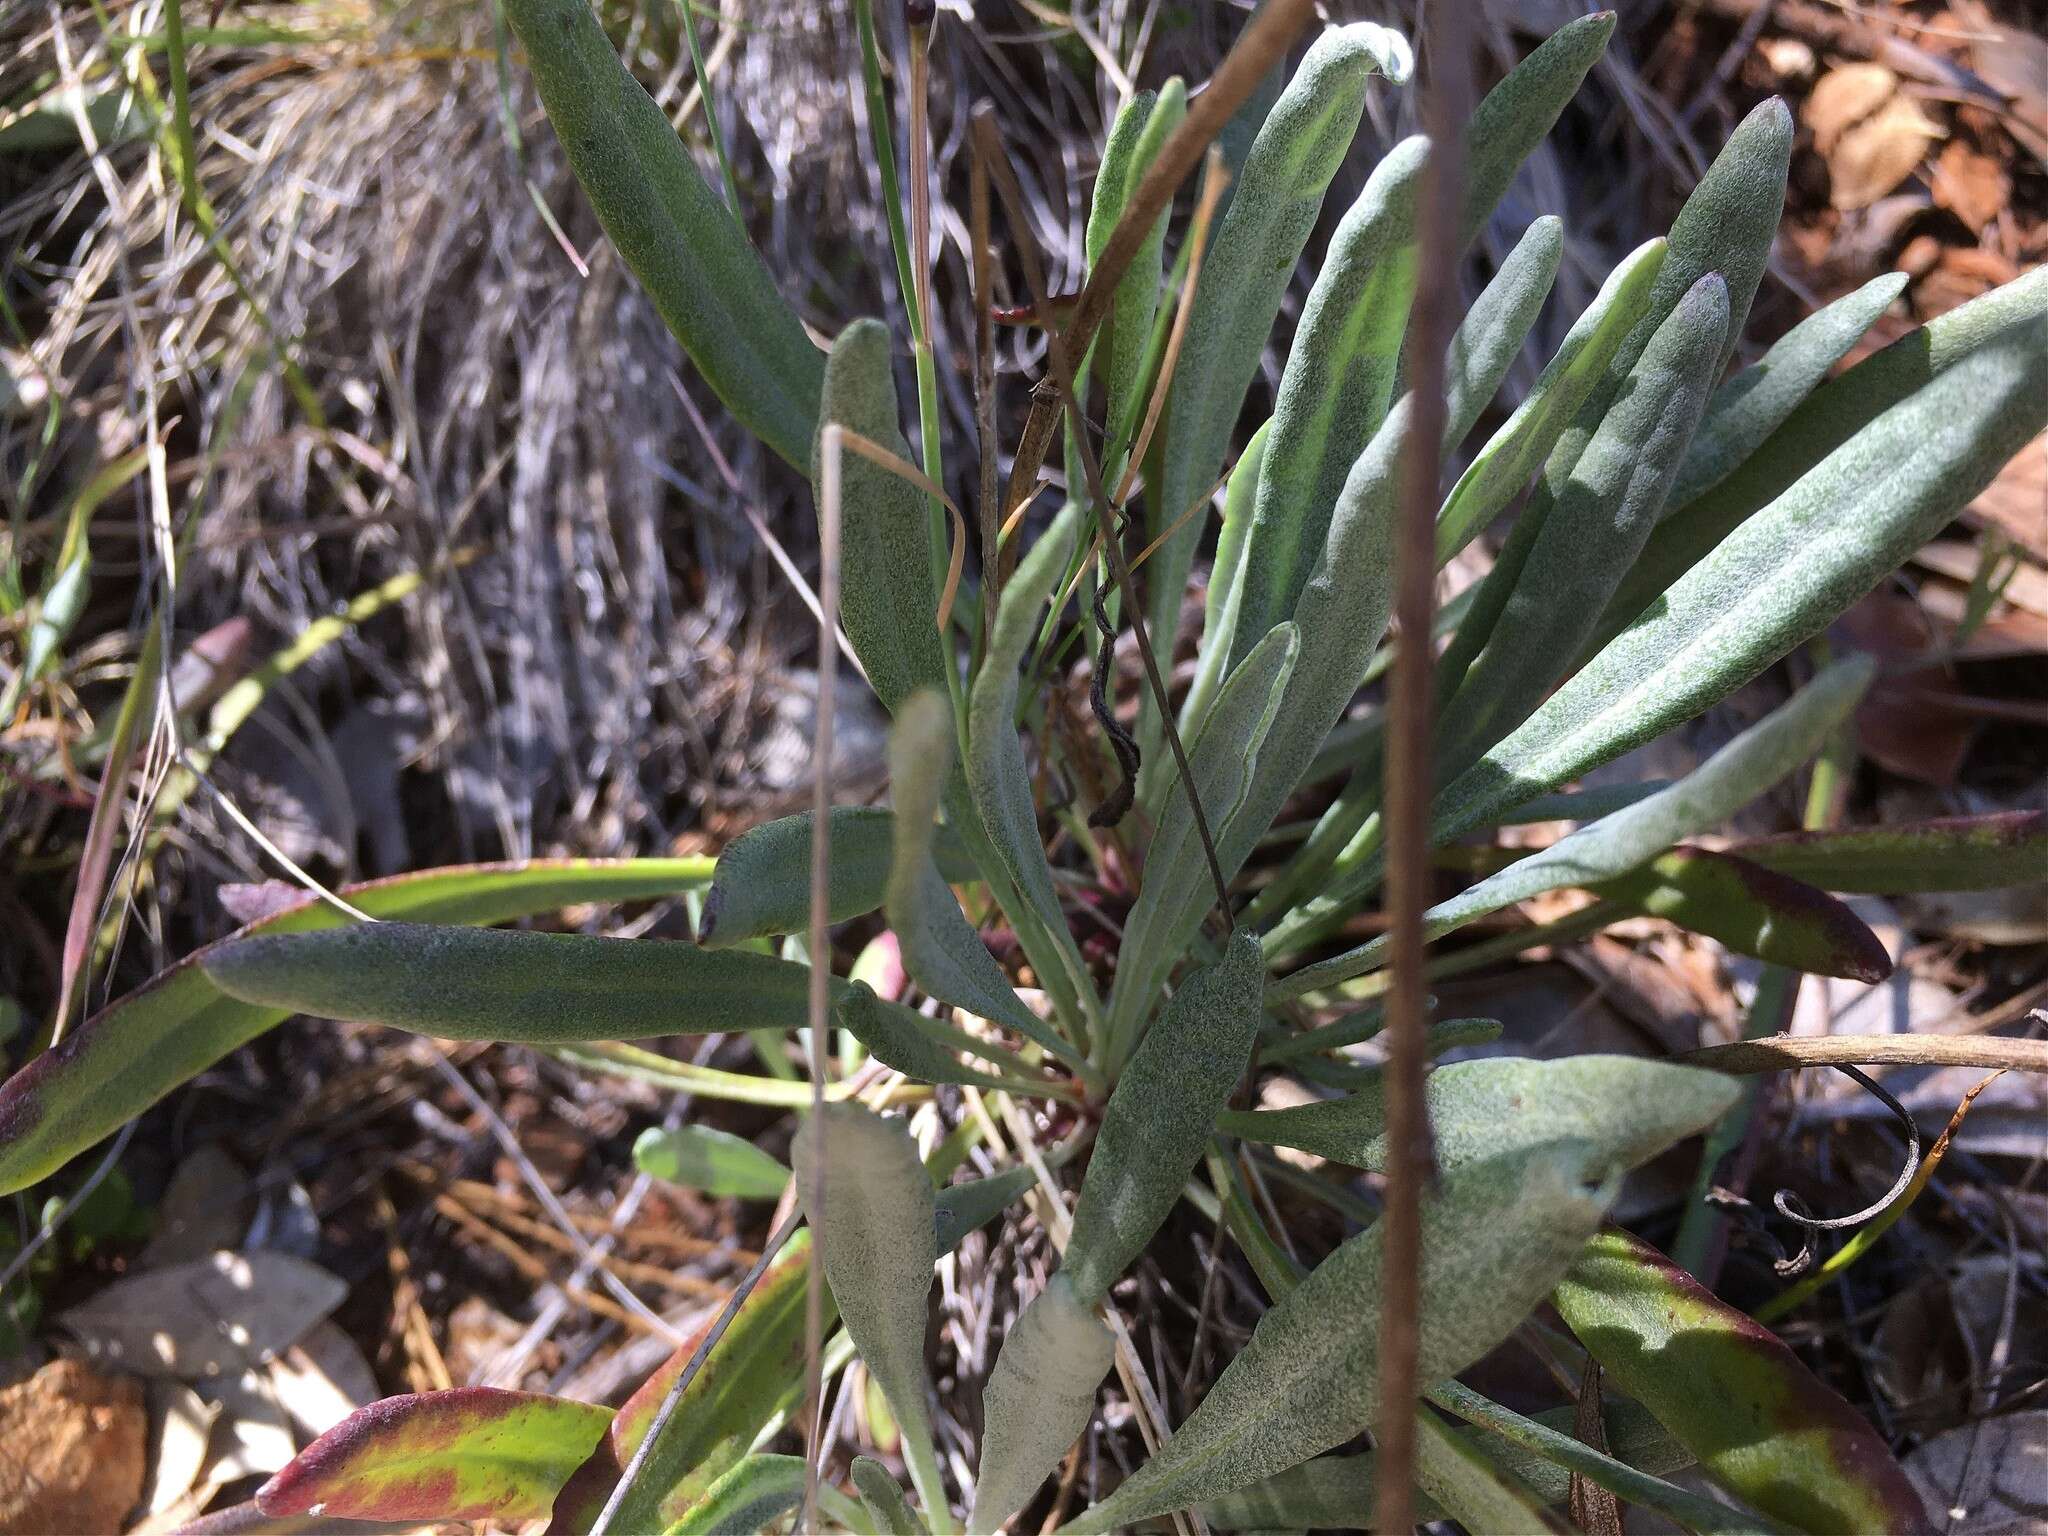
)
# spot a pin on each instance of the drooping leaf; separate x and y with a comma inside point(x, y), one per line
point(940, 951)
point(1272, 212)
point(1623, 1109)
point(1496, 1234)
point(1498, 324)
point(136, 1050)
point(746, 1499)
point(1617, 844)
point(1177, 888)
point(753, 1371)
point(869, 1203)
point(511, 984)
point(762, 883)
point(1160, 1116)
point(1596, 523)
point(997, 775)
point(1761, 1424)
point(715, 1162)
point(474, 1453)
point(1959, 853)
point(888, 600)
point(1754, 911)
point(1780, 578)
point(704, 276)
point(882, 1499)
point(1038, 1399)
point(1753, 404)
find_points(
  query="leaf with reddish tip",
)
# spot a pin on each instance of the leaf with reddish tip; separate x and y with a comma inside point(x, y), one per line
point(476, 1453)
point(1953, 853)
point(1761, 1424)
point(1754, 911)
point(749, 1374)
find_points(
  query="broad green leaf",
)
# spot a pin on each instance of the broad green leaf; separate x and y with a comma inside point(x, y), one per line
point(1336, 388)
point(1779, 579)
point(940, 951)
point(888, 603)
point(1221, 601)
point(1614, 845)
point(1624, 1111)
point(1120, 348)
point(1160, 1116)
point(1498, 324)
point(715, 1162)
point(868, 1200)
point(1762, 1425)
point(1831, 416)
point(1754, 911)
point(1038, 1399)
point(762, 884)
point(1595, 526)
point(1752, 405)
point(745, 1500)
point(961, 1208)
point(1496, 1236)
point(881, 1497)
point(512, 984)
point(998, 778)
point(1525, 439)
point(1960, 853)
point(474, 1453)
point(136, 1050)
point(755, 1370)
point(1177, 888)
point(1273, 210)
point(1469, 1487)
point(698, 267)
point(1330, 1491)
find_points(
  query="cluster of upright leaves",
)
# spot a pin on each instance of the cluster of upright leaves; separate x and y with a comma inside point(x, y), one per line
point(1683, 532)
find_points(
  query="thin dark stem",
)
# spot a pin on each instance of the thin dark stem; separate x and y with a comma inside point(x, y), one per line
point(1411, 1152)
point(988, 145)
point(985, 393)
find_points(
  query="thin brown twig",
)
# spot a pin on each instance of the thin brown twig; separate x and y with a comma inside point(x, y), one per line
point(1777, 1053)
point(985, 393)
point(988, 143)
point(1411, 1151)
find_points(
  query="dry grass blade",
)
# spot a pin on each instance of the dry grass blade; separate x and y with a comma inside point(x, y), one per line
point(1776, 1053)
point(1412, 1160)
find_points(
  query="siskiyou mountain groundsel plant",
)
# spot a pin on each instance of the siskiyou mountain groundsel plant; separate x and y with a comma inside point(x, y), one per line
point(1684, 529)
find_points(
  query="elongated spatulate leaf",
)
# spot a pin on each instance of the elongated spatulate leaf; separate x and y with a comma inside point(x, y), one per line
point(705, 278)
point(1960, 853)
point(138, 1049)
point(474, 1453)
point(1762, 1425)
point(1625, 1108)
point(869, 1203)
point(1038, 1399)
point(888, 604)
point(882, 1499)
point(1141, 131)
point(1614, 845)
point(1224, 596)
point(1780, 578)
point(762, 884)
point(503, 984)
point(1159, 1118)
point(1496, 1235)
point(1498, 324)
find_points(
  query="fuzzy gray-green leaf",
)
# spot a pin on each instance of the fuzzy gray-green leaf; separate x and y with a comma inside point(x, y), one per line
point(1223, 599)
point(706, 280)
point(1594, 529)
point(1781, 577)
point(928, 1050)
point(1159, 1118)
point(501, 984)
point(1497, 325)
point(1177, 887)
point(1616, 844)
point(1038, 1399)
point(960, 1208)
point(762, 883)
point(1626, 1109)
point(996, 773)
point(1496, 1237)
point(868, 1200)
point(888, 604)
point(881, 1497)
point(1140, 132)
